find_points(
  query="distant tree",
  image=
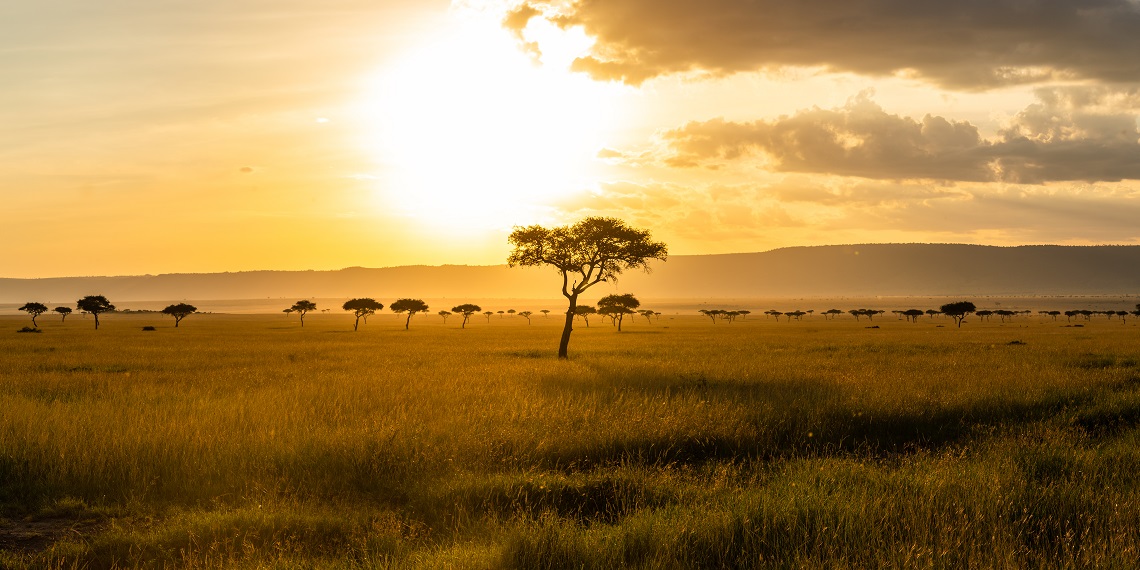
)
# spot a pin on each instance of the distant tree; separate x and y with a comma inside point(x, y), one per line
point(1004, 314)
point(744, 314)
point(467, 309)
point(445, 314)
point(545, 313)
point(526, 315)
point(585, 311)
point(856, 313)
point(958, 311)
point(776, 314)
point(647, 313)
point(511, 312)
point(931, 312)
point(832, 312)
point(63, 311)
point(34, 309)
point(709, 313)
point(585, 254)
point(302, 307)
point(500, 313)
point(913, 314)
point(361, 309)
point(95, 304)
point(984, 314)
point(179, 312)
point(488, 315)
point(409, 306)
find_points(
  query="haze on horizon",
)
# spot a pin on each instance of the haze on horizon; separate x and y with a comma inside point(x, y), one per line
point(227, 136)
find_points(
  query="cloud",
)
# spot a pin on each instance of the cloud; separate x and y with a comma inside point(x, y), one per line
point(246, 169)
point(969, 44)
point(1069, 135)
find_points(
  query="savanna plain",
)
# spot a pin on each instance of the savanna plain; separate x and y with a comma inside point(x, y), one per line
point(247, 441)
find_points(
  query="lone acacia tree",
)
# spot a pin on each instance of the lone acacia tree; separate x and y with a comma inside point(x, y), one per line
point(34, 309)
point(409, 306)
point(94, 304)
point(63, 311)
point(179, 312)
point(618, 306)
point(303, 307)
point(589, 252)
point(361, 308)
point(958, 311)
point(585, 311)
point(467, 309)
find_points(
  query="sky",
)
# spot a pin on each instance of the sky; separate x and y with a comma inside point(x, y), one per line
point(145, 137)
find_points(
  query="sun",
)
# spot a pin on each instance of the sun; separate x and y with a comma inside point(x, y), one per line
point(469, 131)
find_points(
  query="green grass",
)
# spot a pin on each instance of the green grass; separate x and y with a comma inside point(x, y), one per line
point(249, 442)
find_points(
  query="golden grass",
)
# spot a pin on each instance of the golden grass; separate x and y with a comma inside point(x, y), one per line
point(247, 441)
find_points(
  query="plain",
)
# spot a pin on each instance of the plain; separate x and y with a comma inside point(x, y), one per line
point(247, 441)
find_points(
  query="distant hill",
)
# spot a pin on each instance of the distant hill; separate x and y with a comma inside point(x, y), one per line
point(821, 271)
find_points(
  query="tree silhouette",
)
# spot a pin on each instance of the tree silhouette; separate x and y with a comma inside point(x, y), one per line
point(958, 311)
point(63, 311)
point(444, 314)
point(832, 313)
point(587, 253)
point(545, 313)
point(618, 306)
point(585, 311)
point(361, 308)
point(526, 315)
point(511, 312)
point(647, 313)
point(488, 315)
point(913, 314)
point(34, 309)
point(467, 309)
point(500, 313)
point(712, 313)
point(409, 306)
point(95, 304)
point(302, 307)
point(179, 312)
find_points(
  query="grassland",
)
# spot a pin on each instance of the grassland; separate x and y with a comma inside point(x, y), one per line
point(245, 441)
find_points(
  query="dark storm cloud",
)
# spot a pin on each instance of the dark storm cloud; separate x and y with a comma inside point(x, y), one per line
point(1053, 140)
point(965, 44)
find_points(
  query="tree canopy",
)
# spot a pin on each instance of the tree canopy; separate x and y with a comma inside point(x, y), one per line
point(466, 309)
point(958, 310)
point(302, 307)
point(34, 309)
point(618, 306)
point(362, 308)
point(63, 311)
point(409, 306)
point(179, 312)
point(95, 304)
point(594, 250)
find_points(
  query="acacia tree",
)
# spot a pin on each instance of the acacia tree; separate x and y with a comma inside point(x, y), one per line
point(63, 311)
point(545, 313)
point(467, 310)
point(589, 252)
point(94, 304)
point(444, 315)
point(488, 314)
point(913, 314)
point(34, 309)
point(647, 313)
point(618, 306)
point(585, 311)
point(409, 306)
point(958, 311)
point(179, 312)
point(361, 308)
point(526, 315)
point(303, 307)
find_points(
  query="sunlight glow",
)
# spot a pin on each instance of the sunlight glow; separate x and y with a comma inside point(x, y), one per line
point(471, 132)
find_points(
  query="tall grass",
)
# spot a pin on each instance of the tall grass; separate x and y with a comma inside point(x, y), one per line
point(251, 442)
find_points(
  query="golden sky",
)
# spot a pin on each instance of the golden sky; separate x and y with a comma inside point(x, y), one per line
point(157, 137)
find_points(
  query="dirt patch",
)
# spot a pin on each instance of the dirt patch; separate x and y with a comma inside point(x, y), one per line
point(37, 535)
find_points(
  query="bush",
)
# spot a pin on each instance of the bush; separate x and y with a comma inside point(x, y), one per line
point(29, 329)
point(149, 328)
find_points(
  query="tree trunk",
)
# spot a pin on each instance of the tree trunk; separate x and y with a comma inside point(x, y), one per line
point(619, 322)
point(176, 321)
point(564, 343)
point(409, 321)
point(356, 325)
point(96, 320)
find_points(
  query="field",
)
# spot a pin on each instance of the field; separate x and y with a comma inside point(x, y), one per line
point(246, 441)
